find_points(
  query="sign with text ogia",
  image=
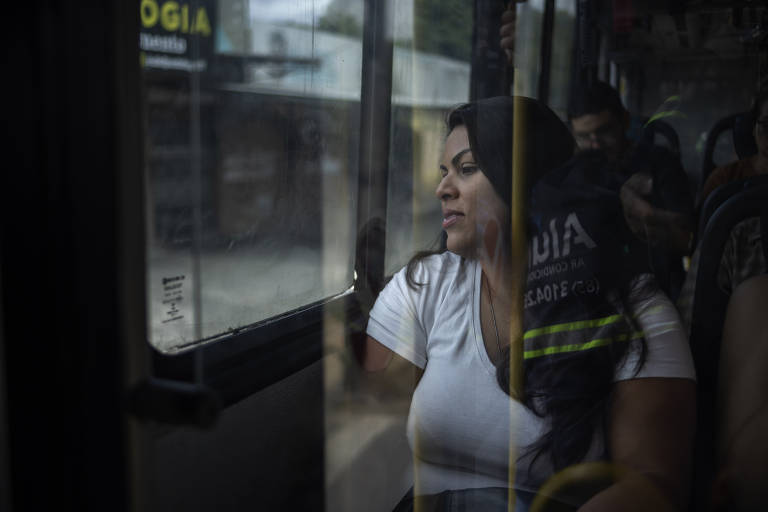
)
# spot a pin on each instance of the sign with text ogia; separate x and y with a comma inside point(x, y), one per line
point(176, 36)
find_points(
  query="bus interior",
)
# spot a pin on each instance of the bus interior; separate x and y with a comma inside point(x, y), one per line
point(206, 197)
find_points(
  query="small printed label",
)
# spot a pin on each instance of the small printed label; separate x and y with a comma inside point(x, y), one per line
point(173, 296)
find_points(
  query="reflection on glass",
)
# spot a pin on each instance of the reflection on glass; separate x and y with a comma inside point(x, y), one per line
point(528, 47)
point(430, 74)
point(251, 115)
point(562, 56)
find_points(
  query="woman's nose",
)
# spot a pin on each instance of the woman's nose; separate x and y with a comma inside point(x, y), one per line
point(446, 189)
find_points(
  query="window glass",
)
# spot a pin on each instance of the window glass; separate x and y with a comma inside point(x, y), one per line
point(430, 74)
point(251, 112)
point(530, 18)
point(562, 56)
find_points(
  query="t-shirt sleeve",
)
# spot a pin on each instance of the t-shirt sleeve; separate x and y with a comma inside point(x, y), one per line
point(667, 351)
point(395, 320)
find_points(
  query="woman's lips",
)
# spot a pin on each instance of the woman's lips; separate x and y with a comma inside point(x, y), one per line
point(451, 219)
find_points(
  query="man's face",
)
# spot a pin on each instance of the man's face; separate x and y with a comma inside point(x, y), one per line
point(601, 131)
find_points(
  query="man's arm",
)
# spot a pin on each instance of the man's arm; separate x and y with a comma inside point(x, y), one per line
point(656, 225)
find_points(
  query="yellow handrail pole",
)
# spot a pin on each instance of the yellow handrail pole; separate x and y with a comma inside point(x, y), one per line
point(519, 246)
point(518, 253)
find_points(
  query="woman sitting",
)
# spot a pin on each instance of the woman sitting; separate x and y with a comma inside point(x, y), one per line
point(607, 373)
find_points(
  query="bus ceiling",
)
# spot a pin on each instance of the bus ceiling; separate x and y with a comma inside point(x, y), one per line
point(689, 30)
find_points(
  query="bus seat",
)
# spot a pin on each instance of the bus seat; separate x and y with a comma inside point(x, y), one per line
point(709, 308)
point(662, 129)
point(740, 126)
point(722, 194)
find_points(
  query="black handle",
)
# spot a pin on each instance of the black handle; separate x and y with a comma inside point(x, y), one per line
point(174, 402)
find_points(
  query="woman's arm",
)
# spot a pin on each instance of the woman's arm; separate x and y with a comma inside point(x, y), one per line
point(651, 434)
point(375, 356)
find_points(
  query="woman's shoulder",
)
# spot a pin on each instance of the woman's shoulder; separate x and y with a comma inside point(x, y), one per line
point(437, 265)
point(431, 273)
point(424, 288)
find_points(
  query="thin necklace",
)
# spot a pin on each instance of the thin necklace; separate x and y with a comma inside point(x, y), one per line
point(493, 314)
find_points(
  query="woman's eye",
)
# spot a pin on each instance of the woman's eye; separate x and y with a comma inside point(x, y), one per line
point(468, 169)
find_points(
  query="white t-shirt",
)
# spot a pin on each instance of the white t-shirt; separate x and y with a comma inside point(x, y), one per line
point(460, 421)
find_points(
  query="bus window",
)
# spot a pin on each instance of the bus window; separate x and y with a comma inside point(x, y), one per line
point(430, 73)
point(561, 62)
point(251, 113)
point(527, 46)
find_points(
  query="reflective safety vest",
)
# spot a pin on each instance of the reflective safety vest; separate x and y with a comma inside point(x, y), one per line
point(580, 253)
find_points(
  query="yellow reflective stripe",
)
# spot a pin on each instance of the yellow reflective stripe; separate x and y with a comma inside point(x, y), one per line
point(571, 326)
point(548, 351)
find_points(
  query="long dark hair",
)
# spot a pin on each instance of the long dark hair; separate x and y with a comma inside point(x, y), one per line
point(490, 130)
point(571, 391)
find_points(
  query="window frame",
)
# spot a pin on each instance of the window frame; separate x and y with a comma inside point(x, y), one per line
point(237, 364)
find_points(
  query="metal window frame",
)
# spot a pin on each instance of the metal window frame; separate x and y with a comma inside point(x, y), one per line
point(545, 51)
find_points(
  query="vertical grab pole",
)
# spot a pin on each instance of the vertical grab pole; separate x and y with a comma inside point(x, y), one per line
point(518, 234)
point(519, 257)
point(518, 253)
point(519, 249)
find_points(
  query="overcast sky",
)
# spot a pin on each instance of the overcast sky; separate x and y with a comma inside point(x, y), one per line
point(295, 10)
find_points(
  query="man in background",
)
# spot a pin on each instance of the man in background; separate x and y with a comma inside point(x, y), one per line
point(657, 202)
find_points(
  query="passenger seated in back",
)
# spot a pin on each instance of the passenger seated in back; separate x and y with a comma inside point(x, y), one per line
point(656, 198)
point(742, 412)
point(743, 256)
point(746, 167)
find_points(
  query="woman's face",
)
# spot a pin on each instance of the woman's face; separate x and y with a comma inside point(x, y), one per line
point(474, 216)
point(761, 130)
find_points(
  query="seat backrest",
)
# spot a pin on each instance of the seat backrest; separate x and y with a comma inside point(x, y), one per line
point(740, 126)
point(665, 131)
point(721, 194)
